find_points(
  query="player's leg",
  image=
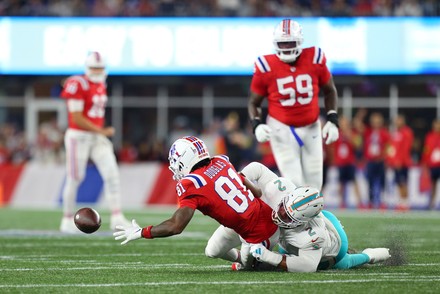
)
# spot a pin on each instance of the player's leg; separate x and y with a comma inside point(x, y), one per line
point(370, 179)
point(401, 178)
point(343, 186)
point(286, 148)
point(103, 156)
point(356, 189)
point(312, 154)
point(344, 260)
point(77, 146)
point(222, 244)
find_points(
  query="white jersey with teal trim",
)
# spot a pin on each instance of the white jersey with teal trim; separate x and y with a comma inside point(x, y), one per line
point(313, 236)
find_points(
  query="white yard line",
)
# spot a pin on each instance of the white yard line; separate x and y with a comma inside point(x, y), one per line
point(260, 282)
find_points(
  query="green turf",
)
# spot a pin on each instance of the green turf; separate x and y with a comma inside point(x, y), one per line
point(34, 257)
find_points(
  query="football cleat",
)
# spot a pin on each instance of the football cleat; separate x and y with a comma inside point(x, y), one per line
point(377, 254)
point(119, 220)
point(68, 226)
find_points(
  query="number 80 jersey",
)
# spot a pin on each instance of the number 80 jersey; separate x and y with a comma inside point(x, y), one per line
point(92, 96)
point(217, 190)
point(292, 89)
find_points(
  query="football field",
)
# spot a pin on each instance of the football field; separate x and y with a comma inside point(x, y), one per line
point(36, 258)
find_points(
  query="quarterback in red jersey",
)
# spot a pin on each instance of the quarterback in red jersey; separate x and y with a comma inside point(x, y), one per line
point(291, 80)
point(86, 138)
point(212, 186)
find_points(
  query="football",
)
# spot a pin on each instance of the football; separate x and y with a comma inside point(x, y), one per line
point(87, 220)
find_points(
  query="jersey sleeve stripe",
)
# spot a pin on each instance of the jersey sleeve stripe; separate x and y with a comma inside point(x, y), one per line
point(262, 64)
point(223, 157)
point(319, 56)
point(197, 180)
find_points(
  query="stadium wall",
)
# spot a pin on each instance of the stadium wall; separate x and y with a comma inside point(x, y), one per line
point(36, 185)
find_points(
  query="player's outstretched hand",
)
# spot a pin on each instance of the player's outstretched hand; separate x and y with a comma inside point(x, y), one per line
point(330, 132)
point(260, 253)
point(263, 133)
point(129, 233)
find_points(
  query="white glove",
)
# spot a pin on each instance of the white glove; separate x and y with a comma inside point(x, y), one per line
point(262, 133)
point(260, 253)
point(130, 233)
point(331, 132)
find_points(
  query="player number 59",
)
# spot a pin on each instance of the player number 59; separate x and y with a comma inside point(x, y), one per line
point(303, 86)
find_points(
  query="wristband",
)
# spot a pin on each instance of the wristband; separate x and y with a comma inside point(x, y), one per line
point(146, 232)
point(332, 116)
point(254, 123)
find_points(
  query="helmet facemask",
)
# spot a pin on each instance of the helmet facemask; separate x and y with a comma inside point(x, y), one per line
point(298, 208)
point(287, 40)
point(281, 218)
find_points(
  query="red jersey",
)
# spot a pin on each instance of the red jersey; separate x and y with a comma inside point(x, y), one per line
point(218, 191)
point(375, 143)
point(292, 89)
point(431, 150)
point(399, 149)
point(344, 151)
point(93, 95)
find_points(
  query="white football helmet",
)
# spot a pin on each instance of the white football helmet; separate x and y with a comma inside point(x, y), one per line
point(287, 40)
point(298, 208)
point(184, 154)
point(95, 67)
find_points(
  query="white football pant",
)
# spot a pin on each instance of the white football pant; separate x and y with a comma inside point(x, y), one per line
point(298, 152)
point(80, 146)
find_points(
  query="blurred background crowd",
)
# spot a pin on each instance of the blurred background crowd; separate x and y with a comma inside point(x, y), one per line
point(229, 131)
point(230, 8)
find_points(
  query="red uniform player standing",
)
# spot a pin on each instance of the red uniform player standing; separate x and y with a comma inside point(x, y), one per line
point(291, 80)
point(86, 138)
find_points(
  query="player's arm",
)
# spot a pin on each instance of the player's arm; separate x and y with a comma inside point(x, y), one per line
point(254, 189)
point(84, 123)
point(330, 131)
point(306, 261)
point(254, 106)
point(173, 226)
point(330, 95)
point(259, 173)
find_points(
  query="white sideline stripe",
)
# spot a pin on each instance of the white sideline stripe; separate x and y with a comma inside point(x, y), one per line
point(46, 256)
point(124, 265)
point(51, 233)
point(281, 282)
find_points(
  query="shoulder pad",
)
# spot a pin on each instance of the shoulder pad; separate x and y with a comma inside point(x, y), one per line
point(197, 180)
point(224, 157)
point(79, 80)
point(262, 64)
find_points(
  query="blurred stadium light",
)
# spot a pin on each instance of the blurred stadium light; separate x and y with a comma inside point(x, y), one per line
point(214, 46)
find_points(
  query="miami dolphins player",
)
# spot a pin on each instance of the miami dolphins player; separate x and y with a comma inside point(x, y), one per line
point(311, 238)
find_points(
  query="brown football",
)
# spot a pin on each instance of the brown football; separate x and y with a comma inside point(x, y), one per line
point(87, 220)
